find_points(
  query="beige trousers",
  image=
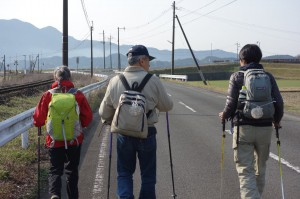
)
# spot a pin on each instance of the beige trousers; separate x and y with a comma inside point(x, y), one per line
point(250, 157)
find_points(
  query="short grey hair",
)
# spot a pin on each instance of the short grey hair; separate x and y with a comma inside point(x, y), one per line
point(62, 73)
point(133, 60)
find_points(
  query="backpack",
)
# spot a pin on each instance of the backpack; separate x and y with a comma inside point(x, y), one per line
point(259, 102)
point(62, 121)
point(130, 117)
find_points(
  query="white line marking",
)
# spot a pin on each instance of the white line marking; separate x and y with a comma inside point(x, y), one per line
point(169, 94)
point(187, 107)
point(286, 163)
point(99, 178)
point(275, 157)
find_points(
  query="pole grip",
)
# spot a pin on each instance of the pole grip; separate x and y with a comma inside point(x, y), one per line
point(39, 131)
point(277, 132)
point(223, 125)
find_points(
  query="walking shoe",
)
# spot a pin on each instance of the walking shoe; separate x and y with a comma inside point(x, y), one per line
point(54, 197)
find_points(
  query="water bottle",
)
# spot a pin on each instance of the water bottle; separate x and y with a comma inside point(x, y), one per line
point(242, 98)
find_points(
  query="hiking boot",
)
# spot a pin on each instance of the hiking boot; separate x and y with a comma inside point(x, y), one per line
point(54, 197)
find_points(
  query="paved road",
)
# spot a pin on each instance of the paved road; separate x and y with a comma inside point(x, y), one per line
point(196, 148)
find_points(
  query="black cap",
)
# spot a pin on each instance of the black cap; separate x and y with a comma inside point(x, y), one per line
point(139, 50)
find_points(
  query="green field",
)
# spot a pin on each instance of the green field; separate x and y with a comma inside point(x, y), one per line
point(284, 85)
point(279, 70)
point(287, 77)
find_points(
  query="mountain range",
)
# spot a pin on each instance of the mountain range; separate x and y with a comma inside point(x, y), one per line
point(20, 40)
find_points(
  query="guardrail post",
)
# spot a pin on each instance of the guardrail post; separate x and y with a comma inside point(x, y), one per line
point(25, 140)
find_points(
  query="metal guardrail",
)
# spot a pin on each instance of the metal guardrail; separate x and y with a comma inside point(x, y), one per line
point(21, 123)
point(180, 77)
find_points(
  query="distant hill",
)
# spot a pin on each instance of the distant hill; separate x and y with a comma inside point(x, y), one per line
point(279, 57)
point(18, 38)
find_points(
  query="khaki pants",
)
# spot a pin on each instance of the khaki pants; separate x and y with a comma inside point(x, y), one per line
point(250, 157)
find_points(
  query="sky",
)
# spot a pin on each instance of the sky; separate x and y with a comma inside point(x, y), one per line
point(208, 24)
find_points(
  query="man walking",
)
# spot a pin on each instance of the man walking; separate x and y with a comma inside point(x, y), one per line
point(128, 148)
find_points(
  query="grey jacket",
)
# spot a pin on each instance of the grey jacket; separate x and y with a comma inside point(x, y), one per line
point(235, 84)
point(155, 93)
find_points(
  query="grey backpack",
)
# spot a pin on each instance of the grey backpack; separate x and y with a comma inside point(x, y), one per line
point(131, 114)
point(259, 102)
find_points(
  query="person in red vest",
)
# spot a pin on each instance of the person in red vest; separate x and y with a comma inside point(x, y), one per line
point(64, 155)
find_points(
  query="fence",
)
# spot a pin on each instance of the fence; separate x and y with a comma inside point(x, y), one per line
point(21, 123)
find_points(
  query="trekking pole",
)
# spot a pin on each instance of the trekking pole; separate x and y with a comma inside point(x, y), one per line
point(171, 162)
point(39, 158)
point(222, 156)
point(279, 160)
point(109, 164)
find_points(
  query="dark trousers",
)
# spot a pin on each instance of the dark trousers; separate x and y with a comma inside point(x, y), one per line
point(128, 149)
point(61, 160)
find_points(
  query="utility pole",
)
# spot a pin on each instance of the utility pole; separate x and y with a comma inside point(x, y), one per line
point(92, 49)
point(4, 67)
point(30, 63)
point(77, 62)
point(210, 52)
point(237, 51)
point(110, 52)
point(16, 64)
point(38, 59)
point(25, 64)
point(173, 39)
point(201, 75)
point(119, 62)
point(65, 33)
point(103, 49)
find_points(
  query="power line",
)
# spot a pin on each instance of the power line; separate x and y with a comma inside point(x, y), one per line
point(81, 42)
point(211, 11)
point(144, 35)
point(195, 11)
point(255, 25)
point(151, 21)
point(85, 14)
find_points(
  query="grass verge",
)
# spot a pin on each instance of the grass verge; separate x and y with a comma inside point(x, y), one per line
point(291, 99)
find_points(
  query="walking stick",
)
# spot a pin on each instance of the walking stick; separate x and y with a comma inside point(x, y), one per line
point(171, 162)
point(279, 160)
point(109, 165)
point(222, 156)
point(39, 158)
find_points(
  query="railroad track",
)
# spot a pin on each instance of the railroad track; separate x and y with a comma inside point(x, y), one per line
point(10, 89)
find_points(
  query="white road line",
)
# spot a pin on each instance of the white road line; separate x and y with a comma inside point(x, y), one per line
point(275, 157)
point(99, 178)
point(169, 94)
point(286, 163)
point(187, 107)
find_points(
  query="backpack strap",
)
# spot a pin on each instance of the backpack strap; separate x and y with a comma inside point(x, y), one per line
point(53, 90)
point(141, 86)
point(144, 82)
point(72, 90)
point(124, 82)
point(57, 90)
